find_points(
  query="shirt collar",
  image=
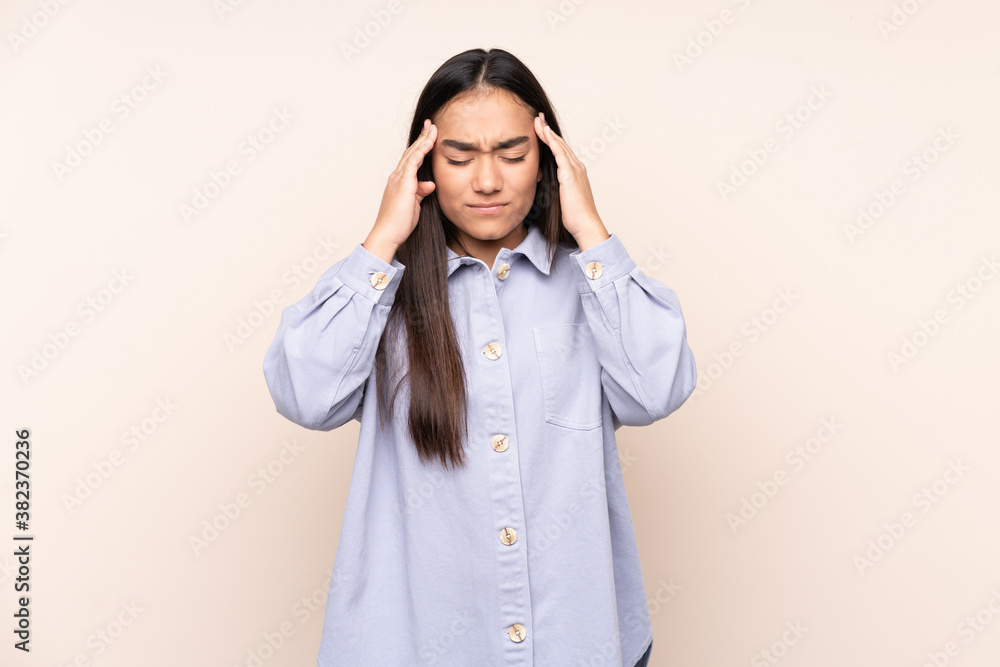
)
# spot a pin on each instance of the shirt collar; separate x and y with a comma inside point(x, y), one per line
point(533, 247)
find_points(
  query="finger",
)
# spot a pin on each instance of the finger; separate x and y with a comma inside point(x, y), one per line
point(415, 146)
point(412, 160)
point(553, 140)
point(421, 149)
point(539, 126)
point(424, 188)
point(561, 148)
point(557, 146)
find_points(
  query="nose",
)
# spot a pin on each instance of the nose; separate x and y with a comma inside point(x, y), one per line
point(487, 176)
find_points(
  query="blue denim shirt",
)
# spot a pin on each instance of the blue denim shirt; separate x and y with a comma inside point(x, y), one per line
point(527, 556)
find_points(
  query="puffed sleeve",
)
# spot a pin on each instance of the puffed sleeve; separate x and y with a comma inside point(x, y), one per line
point(317, 366)
point(648, 370)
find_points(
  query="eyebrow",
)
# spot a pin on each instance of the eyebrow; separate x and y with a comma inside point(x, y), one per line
point(500, 145)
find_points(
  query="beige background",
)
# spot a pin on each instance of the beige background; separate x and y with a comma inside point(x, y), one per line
point(773, 270)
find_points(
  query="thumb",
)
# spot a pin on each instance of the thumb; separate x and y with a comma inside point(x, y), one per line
point(424, 188)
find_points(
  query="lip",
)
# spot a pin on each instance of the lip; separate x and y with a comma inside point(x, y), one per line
point(487, 209)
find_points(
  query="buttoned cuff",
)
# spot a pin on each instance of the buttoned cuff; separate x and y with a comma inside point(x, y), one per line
point(603, 263)
point(370, 275)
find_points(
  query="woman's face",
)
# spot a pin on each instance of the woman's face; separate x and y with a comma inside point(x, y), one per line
point(486, 152)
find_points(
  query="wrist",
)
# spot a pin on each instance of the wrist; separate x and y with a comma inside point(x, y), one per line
point(380, 247)
point(592, 237)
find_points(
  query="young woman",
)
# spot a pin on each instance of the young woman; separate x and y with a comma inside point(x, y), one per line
point(486, 521)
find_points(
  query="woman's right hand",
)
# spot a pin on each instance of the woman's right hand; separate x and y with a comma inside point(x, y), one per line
point(400, 207)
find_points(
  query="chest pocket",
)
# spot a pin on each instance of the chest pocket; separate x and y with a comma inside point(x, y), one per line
point(570, 375)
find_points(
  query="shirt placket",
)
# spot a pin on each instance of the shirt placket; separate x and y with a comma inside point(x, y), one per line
point(497, 431)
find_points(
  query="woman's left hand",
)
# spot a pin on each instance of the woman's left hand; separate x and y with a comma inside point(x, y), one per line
point(579, 213)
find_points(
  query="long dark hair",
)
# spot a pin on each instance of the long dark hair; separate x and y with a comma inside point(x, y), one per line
point(438, 406)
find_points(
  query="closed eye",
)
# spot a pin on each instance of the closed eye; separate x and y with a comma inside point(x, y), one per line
point(507, 159)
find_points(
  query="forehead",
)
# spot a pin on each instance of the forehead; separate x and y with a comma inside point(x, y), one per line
point(487, 115)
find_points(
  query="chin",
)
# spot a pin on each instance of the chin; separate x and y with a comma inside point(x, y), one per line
point(500, 226)
point(492, 231)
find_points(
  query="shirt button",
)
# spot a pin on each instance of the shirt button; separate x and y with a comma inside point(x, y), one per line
point(517, 633)
point(492, 351)
point(594, 270)
point(508, 535)
point(500, 443)
point(379, 280)
point(503, 271)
